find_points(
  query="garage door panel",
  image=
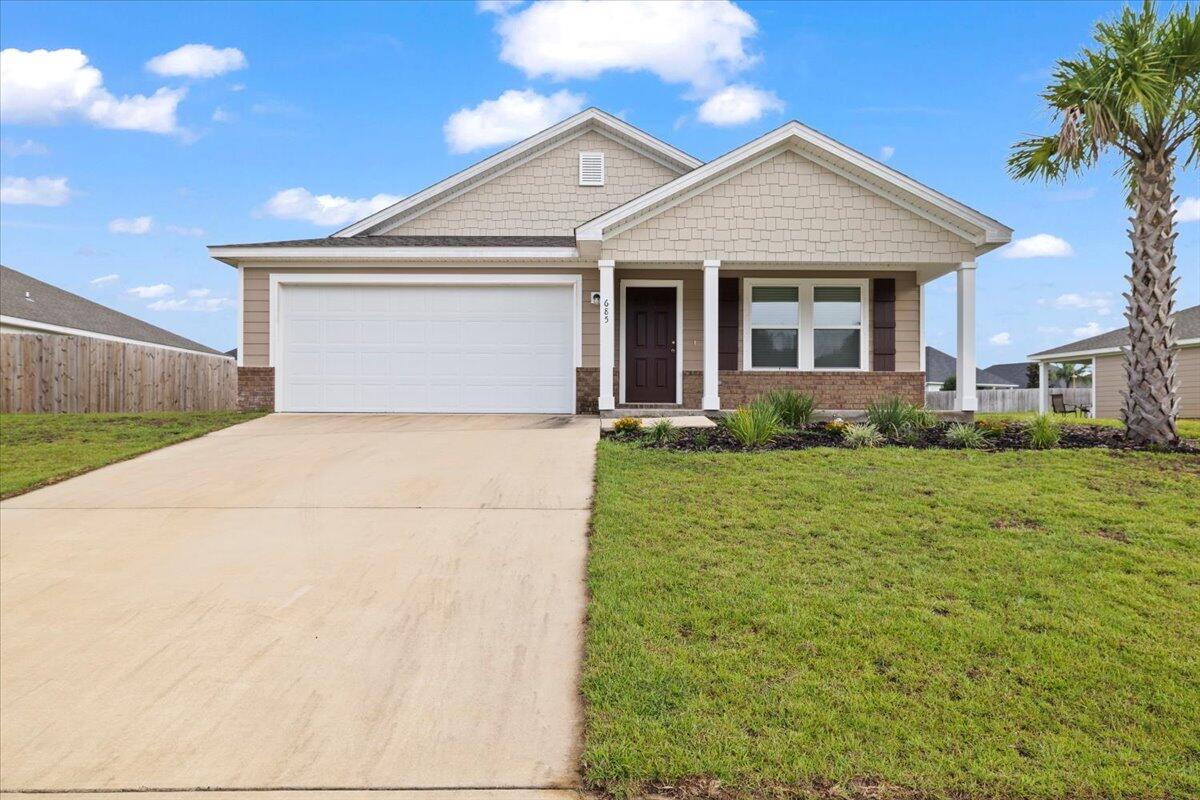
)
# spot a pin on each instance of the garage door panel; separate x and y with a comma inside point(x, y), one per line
point(427, 348)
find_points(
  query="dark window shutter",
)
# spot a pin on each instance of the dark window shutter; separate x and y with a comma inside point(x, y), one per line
point(883, 324)
point(728, 328)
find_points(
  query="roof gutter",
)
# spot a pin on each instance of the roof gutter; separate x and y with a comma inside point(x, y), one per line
point(234, 255)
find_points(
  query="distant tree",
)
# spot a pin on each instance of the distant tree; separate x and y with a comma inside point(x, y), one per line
point(1136, 93)
point(1032, 380)
point(950, 384)
point(1070, 373)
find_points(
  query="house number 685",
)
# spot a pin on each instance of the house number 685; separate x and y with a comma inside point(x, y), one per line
point(605, 312)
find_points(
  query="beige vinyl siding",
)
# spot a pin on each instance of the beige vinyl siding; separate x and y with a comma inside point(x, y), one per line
point(256, 315)
point(1110, 383)
point(542, 197)
point(788, 209)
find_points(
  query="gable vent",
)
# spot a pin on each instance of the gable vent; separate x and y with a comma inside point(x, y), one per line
point(591, 169)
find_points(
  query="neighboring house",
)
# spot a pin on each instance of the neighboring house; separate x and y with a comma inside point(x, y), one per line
point(592, 266)
point(939, 366)
point(1106, 355)
point(28, 305)
point(1015, 373)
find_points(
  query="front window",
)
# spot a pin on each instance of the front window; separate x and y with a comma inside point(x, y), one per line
point(837, 327)
point(775, 327)
point(805, 324)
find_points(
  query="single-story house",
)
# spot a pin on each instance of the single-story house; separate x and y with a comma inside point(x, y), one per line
point(1014, 372)
point(939, 366)
point(594, 267)
point(28, 305)
point(1106, 354)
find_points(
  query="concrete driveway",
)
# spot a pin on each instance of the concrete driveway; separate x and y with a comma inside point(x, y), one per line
point(303, 601)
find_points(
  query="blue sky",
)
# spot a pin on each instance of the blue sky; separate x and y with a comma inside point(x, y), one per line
point(352, 101)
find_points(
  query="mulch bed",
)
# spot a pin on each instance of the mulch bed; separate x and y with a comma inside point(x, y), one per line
point(1012, 436)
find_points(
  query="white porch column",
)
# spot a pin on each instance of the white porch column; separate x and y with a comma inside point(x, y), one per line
point(607, 306)
point(711, 401)
point(1044, 387)
point(1092, 413)
point(965, 379)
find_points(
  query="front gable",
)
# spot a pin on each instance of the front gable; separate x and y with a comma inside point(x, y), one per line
point(542, 196)
point(785, 207)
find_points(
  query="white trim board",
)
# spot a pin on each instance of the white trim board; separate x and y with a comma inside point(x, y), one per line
point(232, 254)
point(278, 279)
point(591, 117)
point(985, 231)
point(678, 286)
point(34, 325)
point(1070, 355)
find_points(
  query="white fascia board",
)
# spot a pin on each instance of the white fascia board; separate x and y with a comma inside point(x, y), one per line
point(1100, 351)
point(232, 255)
point(647, 141)
point(793, 132)
point(34, 325)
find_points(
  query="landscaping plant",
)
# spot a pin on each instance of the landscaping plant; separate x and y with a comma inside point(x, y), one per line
point(892, 415)
point(1043, 432)
point(867, 435)
point(754, 425)
point(793, 408)
point(626, 425)
point(1137, 91)
point(965, 435)
point(661, 432)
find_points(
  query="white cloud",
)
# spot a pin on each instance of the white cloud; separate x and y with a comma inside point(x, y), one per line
point(1091, 329)
point(496, 6)
point(1188, 210)
point(41, 191)
point(737, 105)
point(135, 226)
point(1041, 245)
point(1001, 338)
point(1100, 302)
point(221, 115)
point(199, 292)
point(104, 280)
point(152, 291)
point(29, 147)
point(197, 61)
point(323, 209)
point(184, 230)
point(511, 116)
point(47, 86)
point(694, 42)
point(886, 152)
point(193, 302)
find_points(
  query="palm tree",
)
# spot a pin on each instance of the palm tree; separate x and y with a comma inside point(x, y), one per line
point(1069, 372)
point(1137, 93)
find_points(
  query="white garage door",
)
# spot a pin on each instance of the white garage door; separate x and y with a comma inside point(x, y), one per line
point(456, 348)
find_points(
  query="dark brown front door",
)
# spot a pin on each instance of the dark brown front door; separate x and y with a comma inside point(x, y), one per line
point(650, 344)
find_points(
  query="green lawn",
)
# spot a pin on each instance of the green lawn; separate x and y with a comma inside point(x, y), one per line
point(960, 624)
point(37, 449)
point(1188, 428)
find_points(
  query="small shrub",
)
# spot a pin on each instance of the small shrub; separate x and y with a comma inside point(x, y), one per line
point(792, 408)
point(1043, 432)
point(661, 432)
point(891, 415)
point(754, 425)
point(990, 427)
point(910, 434)
point(837, 425)
point(961, 434)
point(857, 436)
point(700, 438)
point(627, 425)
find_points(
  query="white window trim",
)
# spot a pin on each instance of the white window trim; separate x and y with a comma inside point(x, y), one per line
point(678, 286)
point(280, 279)
point(806, 345)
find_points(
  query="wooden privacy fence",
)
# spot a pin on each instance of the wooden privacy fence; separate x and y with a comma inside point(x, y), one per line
point(52, 373)
point(1006, 399)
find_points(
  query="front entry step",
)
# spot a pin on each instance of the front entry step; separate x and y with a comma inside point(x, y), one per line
point(654, 410)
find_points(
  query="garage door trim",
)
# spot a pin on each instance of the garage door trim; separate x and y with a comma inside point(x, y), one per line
point(279, 280)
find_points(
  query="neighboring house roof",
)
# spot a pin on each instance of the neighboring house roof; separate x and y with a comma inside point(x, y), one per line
point(1187, 331)
point(418, 241)
point(973, 226)
point(24, 299)
point(939, 366)
point(1016, 373)
point(588, 119)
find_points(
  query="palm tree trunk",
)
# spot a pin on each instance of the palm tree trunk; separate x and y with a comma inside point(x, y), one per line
point(1151, 398)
